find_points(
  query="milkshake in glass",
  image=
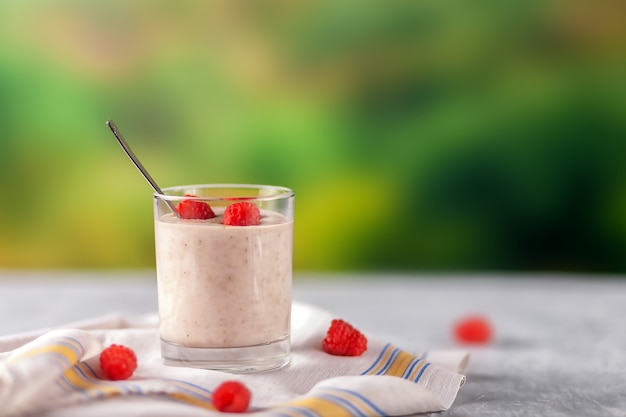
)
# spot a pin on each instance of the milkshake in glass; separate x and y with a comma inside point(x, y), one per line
point(224, 272)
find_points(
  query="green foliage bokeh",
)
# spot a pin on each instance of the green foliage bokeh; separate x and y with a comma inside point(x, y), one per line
point(417, 135)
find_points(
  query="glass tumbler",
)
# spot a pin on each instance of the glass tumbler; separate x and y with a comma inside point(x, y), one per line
point(224, 291)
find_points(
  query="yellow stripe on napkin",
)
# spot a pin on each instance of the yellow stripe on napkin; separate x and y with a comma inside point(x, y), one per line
point(191, 400)
point(320, 405)
point(92, 388)
point(418, 370)
point(66, 348)
point(329, 401)
point(400, 364)
point(395, 362)
point(380, 363)
point(82, 378)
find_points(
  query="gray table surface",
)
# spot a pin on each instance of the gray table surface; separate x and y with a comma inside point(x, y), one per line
point(559, 347)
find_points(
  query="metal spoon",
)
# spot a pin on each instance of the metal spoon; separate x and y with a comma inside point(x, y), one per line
point(138, 164)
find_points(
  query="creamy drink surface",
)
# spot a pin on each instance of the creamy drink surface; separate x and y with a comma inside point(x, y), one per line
point(224, 286)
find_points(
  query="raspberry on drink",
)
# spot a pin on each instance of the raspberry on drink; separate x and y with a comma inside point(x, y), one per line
point(232, 397)
point(194, 209)
point(242, 213)
point(118, 362)
point(342, 339)
point(473, 330)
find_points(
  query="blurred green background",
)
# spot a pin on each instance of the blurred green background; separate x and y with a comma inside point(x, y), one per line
point(422, 136)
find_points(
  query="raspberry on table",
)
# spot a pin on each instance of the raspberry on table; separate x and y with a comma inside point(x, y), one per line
point(194, 209)
point(473, 330)
point(232, 397)
point(242, 213)
point(342, 339)
point(118, 362)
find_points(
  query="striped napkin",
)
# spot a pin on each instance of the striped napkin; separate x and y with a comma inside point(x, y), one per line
point(56, 373)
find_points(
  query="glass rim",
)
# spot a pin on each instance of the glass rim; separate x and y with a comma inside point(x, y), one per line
point(278, 192)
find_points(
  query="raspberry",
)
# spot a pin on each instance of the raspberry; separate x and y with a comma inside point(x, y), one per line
point(118, 362)
point(242, 213)
point(473, 330)
point(194, 209)
point(232, 397)
point(344, 340)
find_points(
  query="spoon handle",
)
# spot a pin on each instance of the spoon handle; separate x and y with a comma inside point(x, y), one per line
point(138, 163)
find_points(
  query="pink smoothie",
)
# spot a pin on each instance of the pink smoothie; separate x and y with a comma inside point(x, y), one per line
point(224, 286)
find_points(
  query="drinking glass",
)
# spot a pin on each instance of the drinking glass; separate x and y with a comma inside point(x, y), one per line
point(224, 291)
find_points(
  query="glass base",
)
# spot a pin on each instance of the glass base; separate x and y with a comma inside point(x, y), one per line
point(240, 360)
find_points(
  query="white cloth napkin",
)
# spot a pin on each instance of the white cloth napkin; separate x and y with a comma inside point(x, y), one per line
point(56, 373)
